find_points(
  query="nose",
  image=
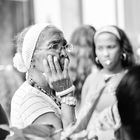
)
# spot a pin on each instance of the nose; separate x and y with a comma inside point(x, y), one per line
point(63, 53)
point(105, 52)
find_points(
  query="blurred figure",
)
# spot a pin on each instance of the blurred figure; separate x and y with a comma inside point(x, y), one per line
point(3, 121)
point(10, 80)
point(82, 62)
point(114, 56)
point(128, 96)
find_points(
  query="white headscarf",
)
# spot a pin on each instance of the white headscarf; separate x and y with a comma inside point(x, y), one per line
point(23, 61)
point(107, 29)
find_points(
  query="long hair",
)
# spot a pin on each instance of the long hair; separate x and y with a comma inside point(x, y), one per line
point(84, 36)
point(128, 96)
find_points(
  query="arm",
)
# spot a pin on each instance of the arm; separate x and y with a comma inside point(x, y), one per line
point(59, 80)
point(68, 114)
point(50, 119)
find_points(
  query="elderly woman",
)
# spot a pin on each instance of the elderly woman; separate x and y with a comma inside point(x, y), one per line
point(46, 97)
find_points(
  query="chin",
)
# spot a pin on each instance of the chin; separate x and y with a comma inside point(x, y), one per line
point(109, 67)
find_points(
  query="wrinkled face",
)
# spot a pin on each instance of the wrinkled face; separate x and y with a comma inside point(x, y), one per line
point(108, 50)
point(55, 45)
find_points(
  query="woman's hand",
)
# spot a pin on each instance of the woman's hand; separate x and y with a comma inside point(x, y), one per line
point(58, 79)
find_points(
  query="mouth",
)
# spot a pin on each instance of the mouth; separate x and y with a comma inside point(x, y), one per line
point(107, 62)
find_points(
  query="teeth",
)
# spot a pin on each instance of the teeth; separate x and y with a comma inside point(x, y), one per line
point(108, 62)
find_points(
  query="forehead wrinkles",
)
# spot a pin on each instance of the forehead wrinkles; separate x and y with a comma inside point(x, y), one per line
point(49, 33)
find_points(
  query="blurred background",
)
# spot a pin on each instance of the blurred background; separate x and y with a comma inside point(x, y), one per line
point(67, 15)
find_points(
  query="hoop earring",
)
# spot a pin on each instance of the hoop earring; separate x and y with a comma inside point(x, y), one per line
point(124, 56)
point(97, 60)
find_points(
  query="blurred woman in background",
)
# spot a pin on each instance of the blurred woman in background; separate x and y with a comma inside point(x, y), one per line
point(113, 56)
point(82, 62)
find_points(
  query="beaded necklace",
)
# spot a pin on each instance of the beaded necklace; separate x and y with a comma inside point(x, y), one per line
point(48, 92)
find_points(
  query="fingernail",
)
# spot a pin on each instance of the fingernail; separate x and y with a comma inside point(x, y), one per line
point(55, 58)
point(49, 56)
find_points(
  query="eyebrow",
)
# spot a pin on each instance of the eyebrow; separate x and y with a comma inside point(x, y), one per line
point(53, 42)
point(58, 41)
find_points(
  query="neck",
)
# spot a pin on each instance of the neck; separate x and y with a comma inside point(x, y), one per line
point(115, 70)
point(38, 78)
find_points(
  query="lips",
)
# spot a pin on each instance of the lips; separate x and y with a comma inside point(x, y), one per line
point(107, 62)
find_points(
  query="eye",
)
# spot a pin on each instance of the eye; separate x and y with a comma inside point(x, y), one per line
point(111, 46)
point(53, 46)
point(99, 48)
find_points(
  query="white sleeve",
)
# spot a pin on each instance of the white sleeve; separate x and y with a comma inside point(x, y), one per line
point(33, 107)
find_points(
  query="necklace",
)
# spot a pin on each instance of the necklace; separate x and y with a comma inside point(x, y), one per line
point(48, 92)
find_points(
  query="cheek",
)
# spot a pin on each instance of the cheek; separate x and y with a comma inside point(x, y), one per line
point(46, 53)
point(116, 54)
point(98, 53)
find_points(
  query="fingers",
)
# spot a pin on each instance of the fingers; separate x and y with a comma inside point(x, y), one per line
point(52, 68)
point(46, 67)
point(66, 63)
point(51, 64)
point(57, 65)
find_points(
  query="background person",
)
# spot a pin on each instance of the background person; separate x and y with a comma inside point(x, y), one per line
point(3, 121)
point(128, 97)
point(10, 80)
point(82, 62)
point(114, 56)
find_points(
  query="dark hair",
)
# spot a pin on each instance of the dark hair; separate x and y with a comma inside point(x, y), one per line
point(126, 48)
point(128, 96)
point(3, 121)
point(84, 36)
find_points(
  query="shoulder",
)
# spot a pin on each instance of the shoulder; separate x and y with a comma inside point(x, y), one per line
point(32, 103)
point(92, 79)
point(49, 118)
point(92, 76)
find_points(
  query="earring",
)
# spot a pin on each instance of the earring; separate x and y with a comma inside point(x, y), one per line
point(97, 60)
point(124, 56)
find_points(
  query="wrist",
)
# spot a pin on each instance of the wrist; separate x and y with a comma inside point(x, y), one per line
point(69, 100)
point(67, 92)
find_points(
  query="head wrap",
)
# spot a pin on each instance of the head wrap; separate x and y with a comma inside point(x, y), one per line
point(107, 29)
point(23, 61)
